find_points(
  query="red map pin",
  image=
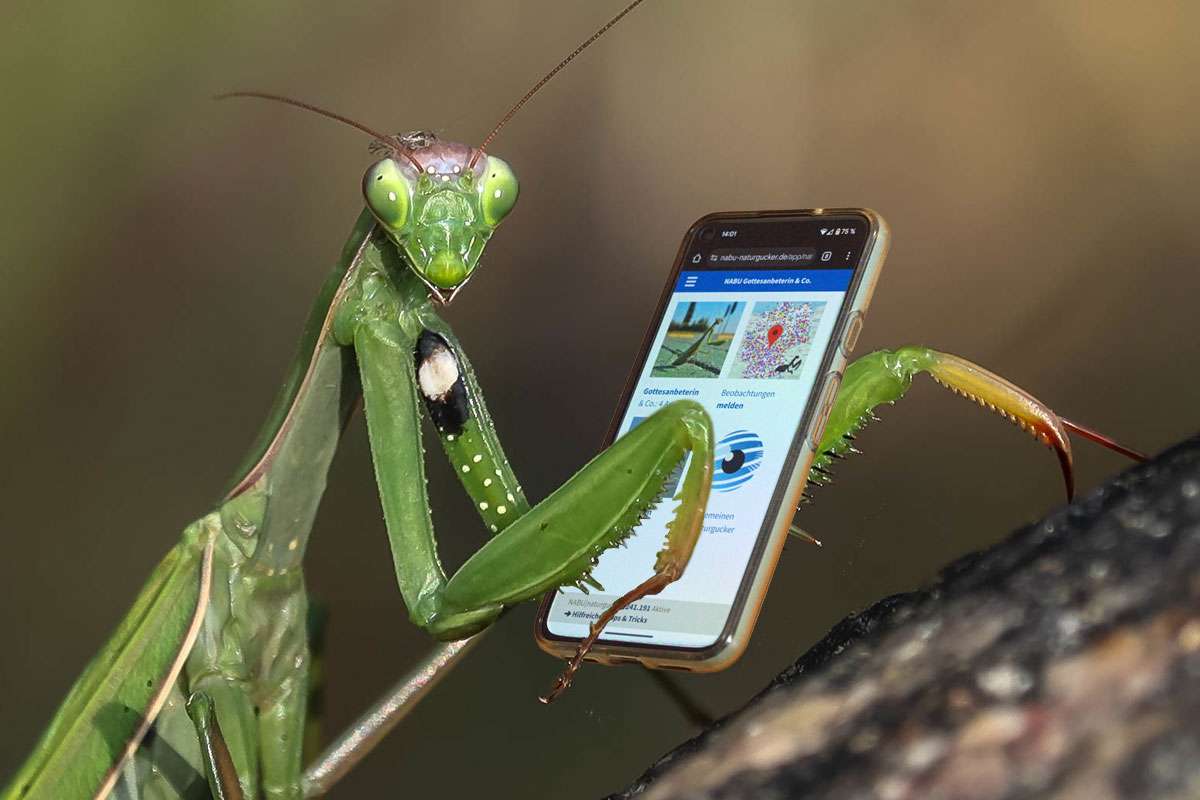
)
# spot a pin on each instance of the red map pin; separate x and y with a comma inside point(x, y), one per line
point(773, 333)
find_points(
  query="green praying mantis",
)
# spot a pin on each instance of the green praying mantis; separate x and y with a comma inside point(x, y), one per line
point(213, 658)
point(699, 342)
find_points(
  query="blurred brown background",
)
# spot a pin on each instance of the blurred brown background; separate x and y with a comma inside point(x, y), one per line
point(1037, 162)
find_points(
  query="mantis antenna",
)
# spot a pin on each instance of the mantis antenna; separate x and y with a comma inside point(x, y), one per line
point(394, 143)
point(512, 112)
point(278, 98)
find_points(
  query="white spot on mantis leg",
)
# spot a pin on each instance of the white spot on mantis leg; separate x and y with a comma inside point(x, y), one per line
point(496, 194)
point(477, 458)
point(511, 499)
point(392, 196)
point(438, 374)
point(483, 506)
point(501, 510)
point(293, 544)
point(466, 467)
point(487, 481)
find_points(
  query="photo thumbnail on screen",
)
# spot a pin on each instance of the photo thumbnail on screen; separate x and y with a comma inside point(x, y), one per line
point(698, 340)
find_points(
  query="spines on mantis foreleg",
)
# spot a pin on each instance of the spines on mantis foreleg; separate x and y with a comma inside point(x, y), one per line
point(655, 493)
point(693, 431)
point(558, 541)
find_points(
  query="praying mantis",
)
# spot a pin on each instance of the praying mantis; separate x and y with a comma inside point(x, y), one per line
point(699, 342)
point(381, 271)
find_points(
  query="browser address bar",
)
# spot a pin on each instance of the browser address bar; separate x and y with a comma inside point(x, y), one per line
point(784, 256)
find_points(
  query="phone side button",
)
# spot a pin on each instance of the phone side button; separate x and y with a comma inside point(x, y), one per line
point(853, 329)
point(830, 393)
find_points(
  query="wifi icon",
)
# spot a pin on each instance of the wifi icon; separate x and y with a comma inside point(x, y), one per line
point(824, 231)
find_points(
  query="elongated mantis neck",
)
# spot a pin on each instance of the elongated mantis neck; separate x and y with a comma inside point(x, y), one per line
point(275, 497)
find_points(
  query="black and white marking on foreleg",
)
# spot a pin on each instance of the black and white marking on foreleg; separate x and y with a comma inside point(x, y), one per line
point(440, 381)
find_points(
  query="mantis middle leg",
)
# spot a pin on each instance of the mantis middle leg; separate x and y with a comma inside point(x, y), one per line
point(885, 375)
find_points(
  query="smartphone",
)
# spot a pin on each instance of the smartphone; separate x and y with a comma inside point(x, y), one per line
point(759, 314)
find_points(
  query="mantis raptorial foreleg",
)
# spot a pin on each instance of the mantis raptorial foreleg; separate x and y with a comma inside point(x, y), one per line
point(403, 362)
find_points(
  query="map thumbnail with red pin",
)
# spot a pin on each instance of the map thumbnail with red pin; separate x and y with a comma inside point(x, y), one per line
point(778, 339)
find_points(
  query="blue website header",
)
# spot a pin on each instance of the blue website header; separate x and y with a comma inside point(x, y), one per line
point(765, 280)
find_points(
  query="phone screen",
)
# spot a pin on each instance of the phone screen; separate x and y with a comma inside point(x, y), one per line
point(744, 332)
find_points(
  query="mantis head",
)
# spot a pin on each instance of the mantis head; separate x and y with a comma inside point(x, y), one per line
point(439, 202)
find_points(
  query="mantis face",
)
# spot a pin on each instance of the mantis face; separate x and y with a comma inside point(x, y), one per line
point(439, 202)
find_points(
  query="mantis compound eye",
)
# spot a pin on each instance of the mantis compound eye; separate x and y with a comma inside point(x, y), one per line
point(497, 191)
point(388, 194)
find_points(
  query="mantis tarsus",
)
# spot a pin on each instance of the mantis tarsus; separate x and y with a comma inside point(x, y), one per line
point(220, 623)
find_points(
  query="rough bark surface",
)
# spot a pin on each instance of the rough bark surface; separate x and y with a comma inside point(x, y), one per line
point(1063, 662)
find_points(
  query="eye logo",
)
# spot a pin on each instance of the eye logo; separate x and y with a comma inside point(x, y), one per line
point(738, 456)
